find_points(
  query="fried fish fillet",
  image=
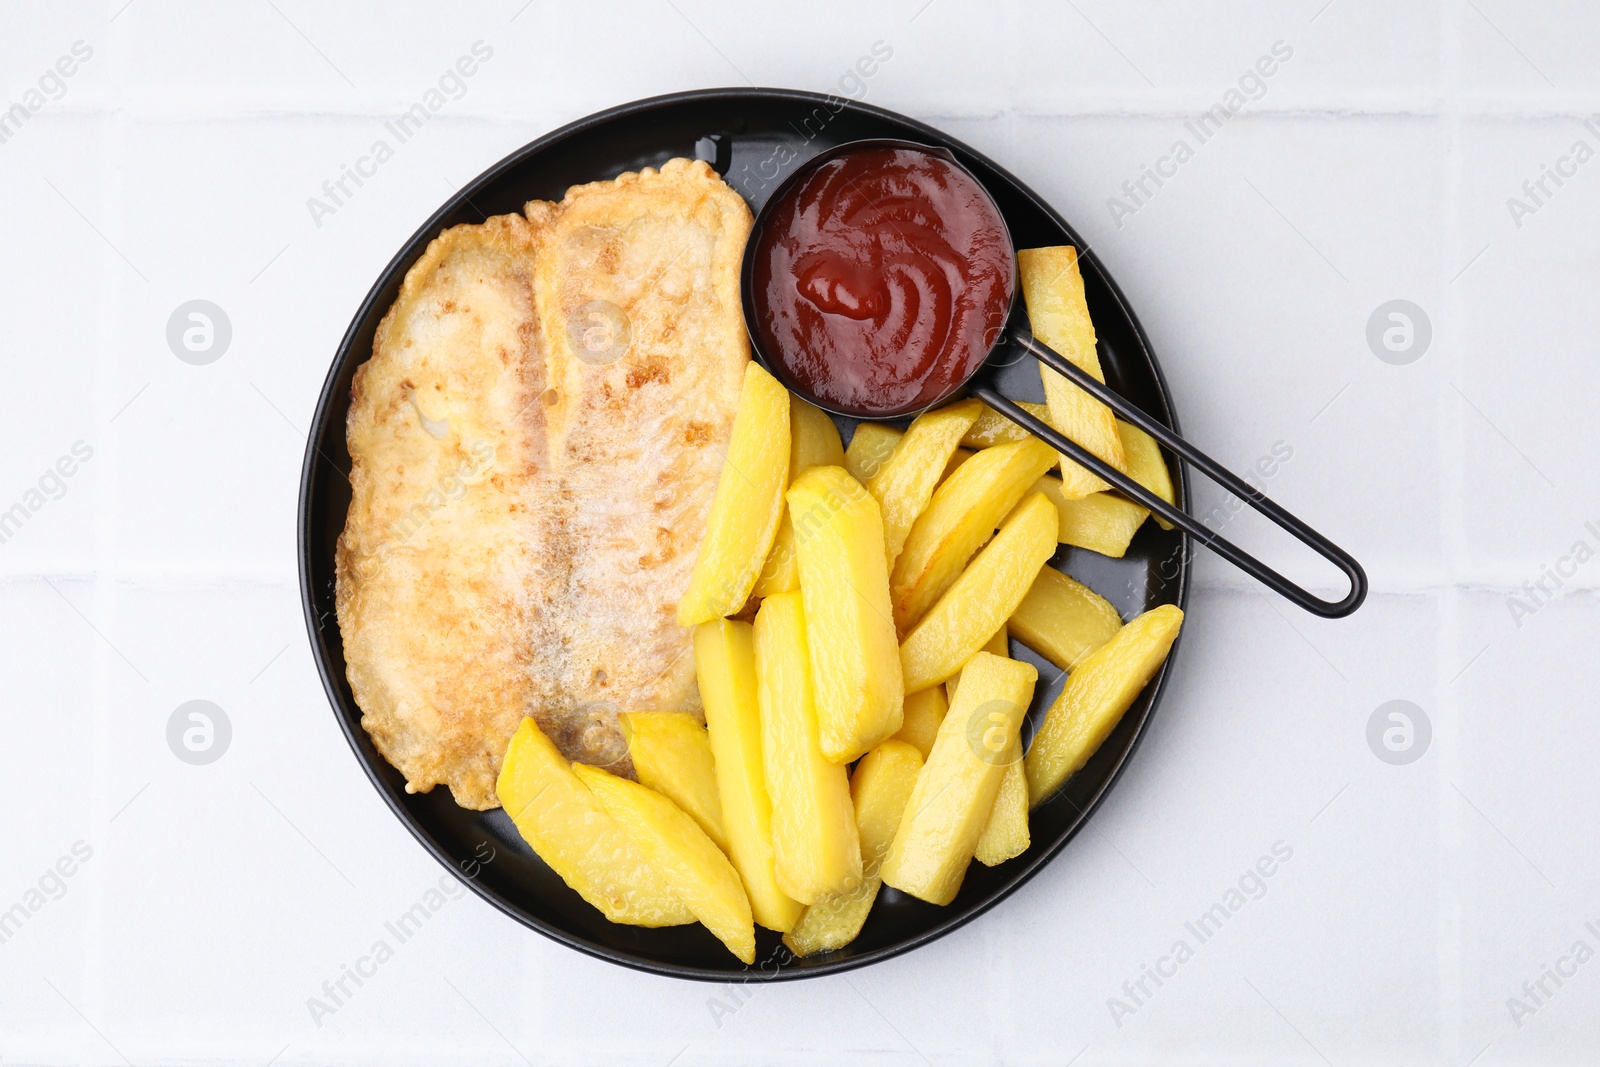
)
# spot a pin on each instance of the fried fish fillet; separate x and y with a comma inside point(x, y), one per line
point(638, 295)
point(535, 444)
point(437, 567)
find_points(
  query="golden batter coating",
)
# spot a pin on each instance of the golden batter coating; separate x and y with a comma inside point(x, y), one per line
point(638, 295)
point(535, 444)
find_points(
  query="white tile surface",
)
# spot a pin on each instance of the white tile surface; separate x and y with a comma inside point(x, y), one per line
point(1376, 164)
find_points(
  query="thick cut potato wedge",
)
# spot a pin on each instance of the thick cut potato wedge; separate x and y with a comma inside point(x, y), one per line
point(983, 597)
point(1101, 522)
point(924, 711)
point(1052, 288)
point(725, 668)
point(906, 481)
point(781, 572)
point(691, 863)
point(1063, 620)
point(880, 788)
point(813, 442)
point(748, 504)
point(957, 458)
point(870, 449)
point(813, 439)
point(570, 830)
point(956, 790)
point(993, 428)
point(959, 520)
point(1145, 465)
point(998, 645)
point(844, 583)
point(1005, 835)
point(671, 753)
point(1097, 692)
point(816, 852)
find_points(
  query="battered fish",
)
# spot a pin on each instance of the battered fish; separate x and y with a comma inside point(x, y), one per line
point(535, 444)
point(638, 293)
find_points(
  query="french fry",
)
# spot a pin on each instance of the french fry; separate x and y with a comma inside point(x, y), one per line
point(993, 428)
point(725, 668)
point(1141, 453)
point(844, 583)
point(672, 754)
point(870, 449)
point(960, 519)
point(816, 851)
point(956, 789)
point(1052, 288)
point(981, 600)
point(1101, 522)
point(1063, 620)
point(924, 711)
point(957, 458)
point(813, 442)
point(998, 645)
point(879, 788)
point(813, 439)
point(572, 832)
point(748, 504)
point(1005, 835)
point(906, 481)
point(781, 572)
point(1097, 693)
point(689, 861)
point(1145, 465)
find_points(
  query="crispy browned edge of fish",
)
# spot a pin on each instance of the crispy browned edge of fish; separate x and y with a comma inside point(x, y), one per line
point(472, 784)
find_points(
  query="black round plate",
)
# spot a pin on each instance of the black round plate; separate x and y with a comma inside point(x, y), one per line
point(754, 137)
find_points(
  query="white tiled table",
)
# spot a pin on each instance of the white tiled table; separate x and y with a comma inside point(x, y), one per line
point(215, 900)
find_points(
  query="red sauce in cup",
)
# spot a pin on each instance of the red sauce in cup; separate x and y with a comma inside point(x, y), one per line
point(882, 280)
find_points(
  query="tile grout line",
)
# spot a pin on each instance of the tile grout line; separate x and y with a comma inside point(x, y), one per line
point(114, 157)
point(153, 107)
point(1447, 922)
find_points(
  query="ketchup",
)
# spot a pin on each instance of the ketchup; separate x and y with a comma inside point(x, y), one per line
point(882, 279)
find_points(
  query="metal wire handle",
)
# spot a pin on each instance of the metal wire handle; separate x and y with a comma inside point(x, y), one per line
point(1131, 489)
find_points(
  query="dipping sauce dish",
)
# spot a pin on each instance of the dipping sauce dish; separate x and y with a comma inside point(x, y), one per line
point(880, 278)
